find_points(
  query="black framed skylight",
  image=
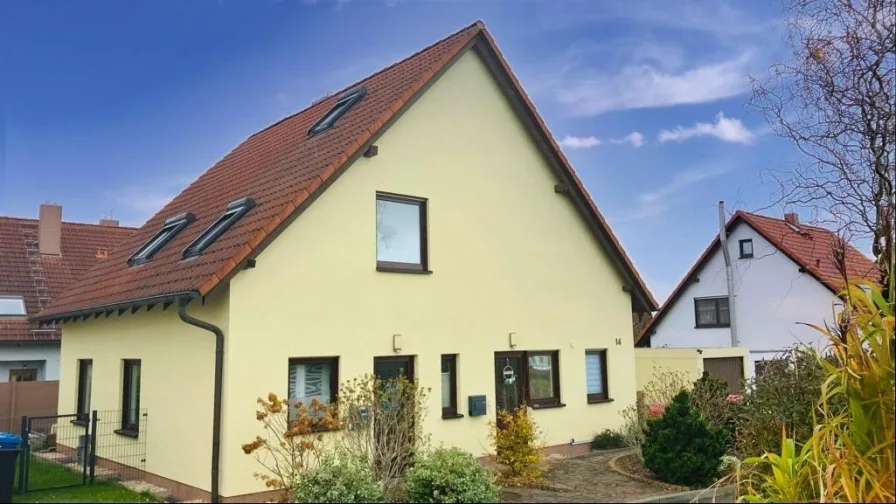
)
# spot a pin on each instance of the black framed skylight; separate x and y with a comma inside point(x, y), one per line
point(234, 211)
point(346, 101)
point(169, 230)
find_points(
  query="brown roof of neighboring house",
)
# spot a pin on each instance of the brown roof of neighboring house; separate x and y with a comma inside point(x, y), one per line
point(808, 246)
point(33, 276)
point(284, 169)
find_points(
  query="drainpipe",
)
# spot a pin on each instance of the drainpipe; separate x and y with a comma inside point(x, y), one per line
point(219, 375)
point(723, 241)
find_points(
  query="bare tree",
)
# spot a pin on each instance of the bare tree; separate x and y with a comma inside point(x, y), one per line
point(834, 99)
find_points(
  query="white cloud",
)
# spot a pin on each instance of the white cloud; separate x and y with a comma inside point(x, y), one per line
point(656, 202)
point(727, 129)
point(646, 86)
point(575, 142)
point(636, 138)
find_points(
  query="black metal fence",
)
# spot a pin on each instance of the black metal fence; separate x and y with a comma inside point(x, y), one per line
point(70, 450)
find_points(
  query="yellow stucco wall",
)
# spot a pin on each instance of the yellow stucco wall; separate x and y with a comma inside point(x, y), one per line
point(177, 376)
point(689, 361)
point(507, 253)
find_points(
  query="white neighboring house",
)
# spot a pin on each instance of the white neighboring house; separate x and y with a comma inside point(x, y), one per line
point(784, 275)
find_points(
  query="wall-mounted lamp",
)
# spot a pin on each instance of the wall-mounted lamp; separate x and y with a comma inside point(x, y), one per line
point(510, 339)
point(396, 343)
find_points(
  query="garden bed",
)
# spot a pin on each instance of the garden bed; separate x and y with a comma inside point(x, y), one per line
point(631, 466)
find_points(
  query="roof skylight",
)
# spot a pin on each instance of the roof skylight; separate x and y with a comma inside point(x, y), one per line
point(346, 101)
point(172, 226)
point(234, 211)
point(12, 306)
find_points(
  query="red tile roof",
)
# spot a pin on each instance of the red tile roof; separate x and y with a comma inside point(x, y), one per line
point(808, 246)
point(83, 246)
point(284, 170)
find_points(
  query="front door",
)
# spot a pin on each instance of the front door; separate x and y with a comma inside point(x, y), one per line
point(509, 384)
point(393, 421)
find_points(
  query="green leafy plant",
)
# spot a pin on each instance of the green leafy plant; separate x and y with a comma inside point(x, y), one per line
point(515, 440)
point(782, 397)
point(338, 478)
point(680, 448)
point(608, 440)
point(713, 403)
point(851, 454)
point(449, 475)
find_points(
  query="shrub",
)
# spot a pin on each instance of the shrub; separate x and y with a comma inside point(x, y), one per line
point(728, 465)
point(715, 405)
point(449, 475)
point(517, 446)
point(680, 448)
point(288, 446)
point(608, 440)
point(851, 454)
point(784, 397)
point(338, 479)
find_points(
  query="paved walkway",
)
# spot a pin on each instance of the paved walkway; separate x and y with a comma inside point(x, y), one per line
point(586, 478)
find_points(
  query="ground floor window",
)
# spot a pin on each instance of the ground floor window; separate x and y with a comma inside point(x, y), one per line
point(531, 378)
point(130, 404)
point(85, 375)
point(449, 386)
point(310, 379)
point(596, 375)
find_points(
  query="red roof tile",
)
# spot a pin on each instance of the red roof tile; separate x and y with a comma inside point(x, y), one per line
point(808, 246)
point(83, 246)
point(283, 169)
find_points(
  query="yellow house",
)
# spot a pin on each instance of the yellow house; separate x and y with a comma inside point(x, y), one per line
point(422, 219)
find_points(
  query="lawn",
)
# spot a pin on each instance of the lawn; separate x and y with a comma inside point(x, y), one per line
point(44, 475)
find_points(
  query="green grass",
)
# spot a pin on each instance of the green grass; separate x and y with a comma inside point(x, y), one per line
point(43, 475)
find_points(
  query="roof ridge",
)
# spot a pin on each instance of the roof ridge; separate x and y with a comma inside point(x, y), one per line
point(478, 23)
point(75, 223)
point(781, 219)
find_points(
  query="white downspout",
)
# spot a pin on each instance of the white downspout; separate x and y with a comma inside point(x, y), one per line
point(723, 242)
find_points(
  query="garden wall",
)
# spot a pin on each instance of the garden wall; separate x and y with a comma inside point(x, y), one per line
point(690, 361)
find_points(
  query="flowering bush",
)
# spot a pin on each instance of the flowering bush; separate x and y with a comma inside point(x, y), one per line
point(449, 475)
point(735, 398)
point(656, 410)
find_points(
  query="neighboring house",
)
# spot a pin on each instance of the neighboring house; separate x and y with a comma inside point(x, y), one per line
point(785, 276)
point(38, 260)
point(421, 221)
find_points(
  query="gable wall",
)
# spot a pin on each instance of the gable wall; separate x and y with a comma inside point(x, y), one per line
point(772, 297)
point(507, 254)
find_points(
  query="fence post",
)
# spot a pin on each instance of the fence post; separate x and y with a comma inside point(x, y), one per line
point(25, 455)
point(91, 432)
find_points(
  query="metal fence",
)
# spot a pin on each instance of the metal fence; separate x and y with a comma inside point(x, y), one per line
point(70, 450)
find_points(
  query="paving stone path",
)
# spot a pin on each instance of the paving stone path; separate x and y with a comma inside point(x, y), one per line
point(586, 478)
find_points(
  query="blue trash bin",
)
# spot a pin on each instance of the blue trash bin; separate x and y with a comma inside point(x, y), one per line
point(10, 445)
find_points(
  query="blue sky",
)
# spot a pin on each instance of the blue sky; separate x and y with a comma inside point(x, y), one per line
point(116, 106)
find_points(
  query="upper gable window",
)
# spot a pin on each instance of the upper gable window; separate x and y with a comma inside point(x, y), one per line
point(345, 102)
point(234, 211)
point(12, 306)
point(172, 226)
point(746, 249)
point(712, 312)
point(400, 233)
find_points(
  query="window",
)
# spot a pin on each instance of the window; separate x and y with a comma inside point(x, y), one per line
point(543, 376)
point(25, 374)
point(759, 367)
point(449, 386)
point(235, 210)
point(316, 378)
point(12, 306)
point(712, 312)
point(596, 375)
point(130, 402)
point(348, 99)
point(746, 249)
point(172, 226)
point(85, 375)
point(400, 233)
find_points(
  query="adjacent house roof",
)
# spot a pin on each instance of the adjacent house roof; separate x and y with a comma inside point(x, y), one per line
point(284, 169)
point(25, 272)
point(808, 246)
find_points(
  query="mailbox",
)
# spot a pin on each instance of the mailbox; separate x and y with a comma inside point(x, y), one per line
point(477, 405)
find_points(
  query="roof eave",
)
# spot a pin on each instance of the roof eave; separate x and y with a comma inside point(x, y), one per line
point(132, 304)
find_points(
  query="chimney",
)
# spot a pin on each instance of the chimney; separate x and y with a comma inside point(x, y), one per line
point(49, 229)
point(109, 222)
point(792, 218)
